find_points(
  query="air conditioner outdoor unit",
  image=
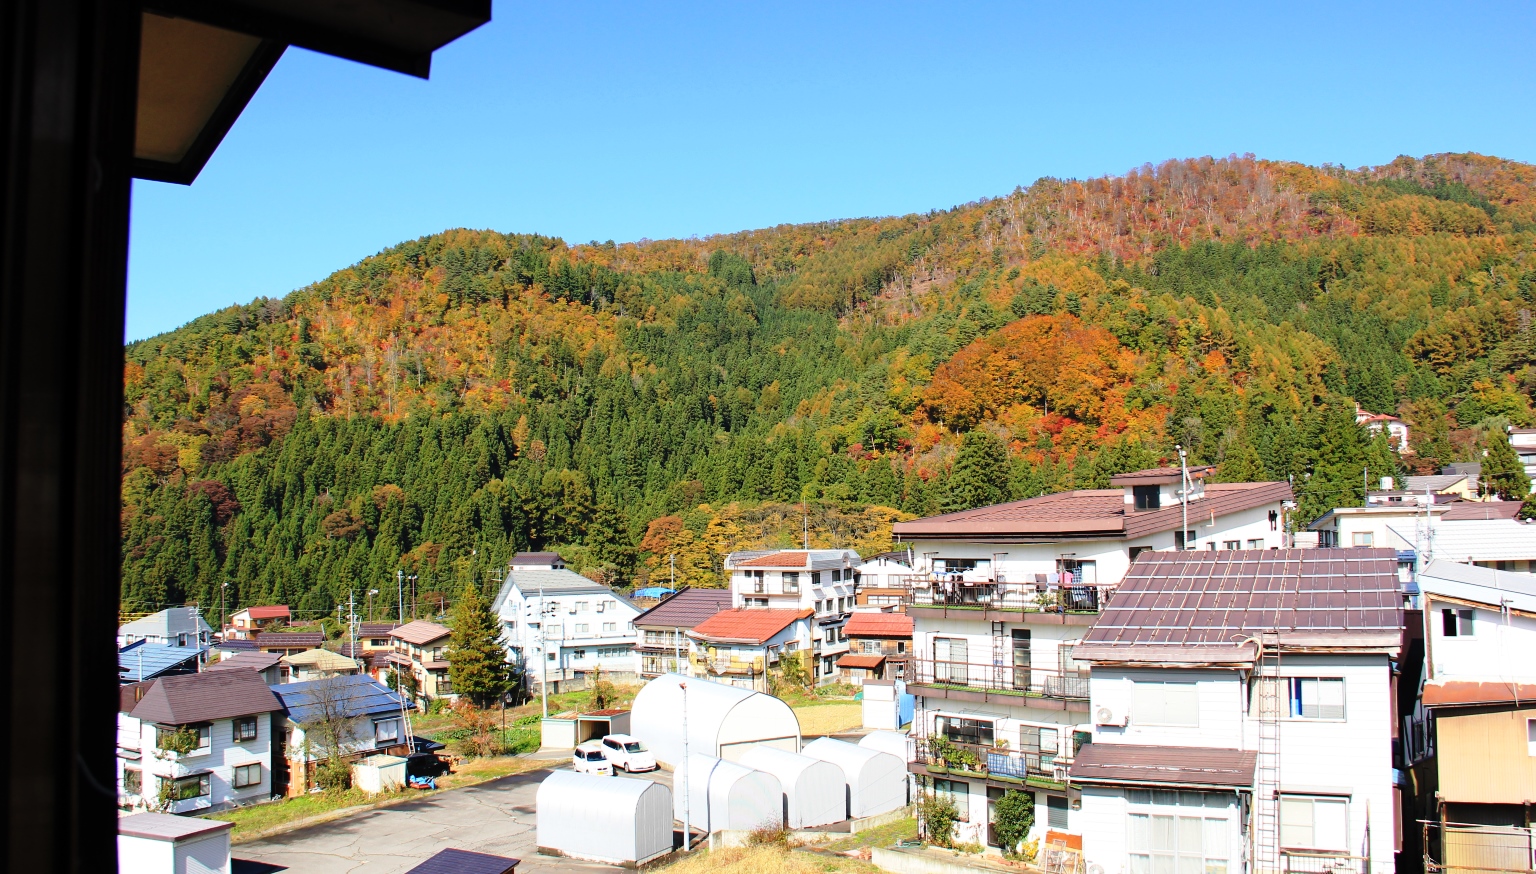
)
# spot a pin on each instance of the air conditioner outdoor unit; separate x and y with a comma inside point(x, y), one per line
point(1105, 714)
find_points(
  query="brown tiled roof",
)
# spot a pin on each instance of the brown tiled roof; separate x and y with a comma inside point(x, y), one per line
point(1157, 476)
point(435, 666)
point(1204, 606)
point(860, 660)
point(752, 626)
point(289, 639)
point(376, 629)
point(778, 559)
point(1135, 764)
point(205, 697)
point(1094, 513)
point(1463, 693)
point(276, 611)
point(256, 661)
point(879, 625)
point(128, 696)
point(420, 632)
point(1462, 511)
point(686, 609)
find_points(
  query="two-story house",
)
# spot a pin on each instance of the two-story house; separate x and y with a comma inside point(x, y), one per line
point(268, 665)
point(173, 626)
point(1242, 709)
point(420, 654)
point(316, 664)
point(820, 580)
point(662, 643)
point(196, 742)
point(738, 647)
point(882, 580)
point(246, 623)
point(363, 717)
point(1470, 741)
point(879, 646)
point(559, 627)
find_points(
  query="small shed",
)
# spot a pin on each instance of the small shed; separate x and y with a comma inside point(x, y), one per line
point(894, 742)
point(159, 843)
point(377, 774)
point(603, 819)
point(566, 731)
point(877, 782)
point(814, 792)
point(723, 721)
point(453, 861)
point(727, 796)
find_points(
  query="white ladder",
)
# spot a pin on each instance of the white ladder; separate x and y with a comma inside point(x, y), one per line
point(1270, 688)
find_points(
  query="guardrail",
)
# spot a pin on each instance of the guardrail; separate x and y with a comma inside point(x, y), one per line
point(956, 591)
point(1022, 680)
point(942, 753)
point(1295, 862)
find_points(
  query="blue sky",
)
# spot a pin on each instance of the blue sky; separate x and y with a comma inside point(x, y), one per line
point(597, 121)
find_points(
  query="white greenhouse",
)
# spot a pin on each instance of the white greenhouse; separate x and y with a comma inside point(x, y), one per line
point(877, 782)
point(727, 796)
point(894, 742)
point(814, 791)
point(603, 819)
point(723, 721)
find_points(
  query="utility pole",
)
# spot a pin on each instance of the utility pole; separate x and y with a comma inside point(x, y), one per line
point(1365, 496)
point(683, 777)
point(400, 593)
point(672, 561)
point(1184, 493)
point(543, 656)
point(223, 587)
point(677, 650)
point(352, 622)
point(371, 593)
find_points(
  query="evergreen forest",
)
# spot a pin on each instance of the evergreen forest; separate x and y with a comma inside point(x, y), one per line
point(644, 408)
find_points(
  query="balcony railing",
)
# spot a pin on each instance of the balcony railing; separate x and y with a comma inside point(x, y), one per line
point(958, 591)
point(1001, 762)
point(1297, 862)
point(1026, 681)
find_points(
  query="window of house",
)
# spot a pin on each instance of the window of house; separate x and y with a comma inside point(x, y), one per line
point(386, 730)
point(959, 793)
point(1231, 544)
point(949, 660)
point(962, 730)
point(1317, 698)
point(581, 628)
point(203, 738)
point(247, 775)
point(1362, 538)
point(384, 641)
point(245, 728)
point(1083, 572)
point(133, 781)
point(1184, 539)
point(1147, 497)
point(1056, 811)
point(1210, 546)
point(550, 656)
point(187, 788)
point(1159, 702)
point(756, 578)
point(837, 575)
point(1256, 543)
point(831, 635)
point(960, 565)
point(818, 605)
point(611, 626)
point(1530, 737)
point(1138, 550)
point(1314, 823)
point(815, 578)
point(901, 647)
point(1176, 842)
point(1456, 623)
point(791, 582)
point(756, 602)
point(578, 655)
point(582, 606)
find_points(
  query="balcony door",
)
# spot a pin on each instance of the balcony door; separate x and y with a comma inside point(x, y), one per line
point(950, 658)
point(1021, 658)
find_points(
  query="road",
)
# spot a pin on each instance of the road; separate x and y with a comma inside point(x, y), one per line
point(496, 817)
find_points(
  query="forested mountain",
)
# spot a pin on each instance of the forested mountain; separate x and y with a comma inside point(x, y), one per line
point(459, 397)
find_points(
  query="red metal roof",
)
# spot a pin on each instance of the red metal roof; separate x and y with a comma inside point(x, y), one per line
point(277, 611)
point(420, 632)
point(1095, 513)
point(1453, 693)
point(752, 625)
point(859, 660)
point(1135, 764)
point(779, 559)
point(879, 625)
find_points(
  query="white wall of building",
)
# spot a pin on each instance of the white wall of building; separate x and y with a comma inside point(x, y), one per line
point(219, 758)
point(585, 630)
point(1500, 646)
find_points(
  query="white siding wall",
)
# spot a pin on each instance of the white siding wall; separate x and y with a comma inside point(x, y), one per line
point(519, 613)
point(1220, 714)
point(1500, 647)
point(220, 759)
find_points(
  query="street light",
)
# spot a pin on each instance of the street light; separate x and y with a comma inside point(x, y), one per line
point(223, 587)
point(371, 593)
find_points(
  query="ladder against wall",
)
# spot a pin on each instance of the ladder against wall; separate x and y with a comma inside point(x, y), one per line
point(1269, 688)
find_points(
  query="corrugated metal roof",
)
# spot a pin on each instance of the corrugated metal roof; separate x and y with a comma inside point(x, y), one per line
point(1098, 513)
point(205, 697)
point(862, 624)
point(452, 861)
point(1135, 764)
point(1435, 483)
point(353, 695)
point(1197, 606)
point(167, 623)
point(860, 660)
point(144, 661)
point(1479, 584)
point(686, 609)
point(256, 661)
point(1466, 693)
point(1462, 511)
point(289, 639)
point(166, 827)
point(376, 629)
point(421, 632)
point(1158, 476)
point(756, 625)
point(276, 611)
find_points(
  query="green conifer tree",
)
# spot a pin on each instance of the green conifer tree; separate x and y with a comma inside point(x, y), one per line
point(980, 475)
point(477, 663)
point(1503, 474)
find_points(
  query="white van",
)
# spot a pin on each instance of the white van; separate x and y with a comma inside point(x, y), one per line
point(589, 759)
point(628, 753)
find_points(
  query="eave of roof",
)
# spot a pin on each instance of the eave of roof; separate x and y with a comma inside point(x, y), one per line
point(1473, 693)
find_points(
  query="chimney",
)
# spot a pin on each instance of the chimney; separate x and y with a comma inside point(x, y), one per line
point(1386, 484)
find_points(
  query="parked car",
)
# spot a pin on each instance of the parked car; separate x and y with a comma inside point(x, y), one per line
point(589, 759)
point(628, 753)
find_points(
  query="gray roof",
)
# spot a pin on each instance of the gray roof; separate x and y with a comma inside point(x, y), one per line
point(144, 661)
point(166, 827)
point(686, 609)
point(205, 697)
point(256, 661)
point(1137, 765)
point(554, 582)
point(167, 623)
point(354, 695)
point(1435, 483)
point(1482, 585)
point(1204, 606)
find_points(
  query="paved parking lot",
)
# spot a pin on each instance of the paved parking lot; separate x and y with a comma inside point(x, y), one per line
point(495, 817)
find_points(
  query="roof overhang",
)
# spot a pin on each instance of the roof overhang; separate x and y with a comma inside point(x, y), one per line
point(201, 61)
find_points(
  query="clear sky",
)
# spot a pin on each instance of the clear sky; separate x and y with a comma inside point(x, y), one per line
point(622, 121)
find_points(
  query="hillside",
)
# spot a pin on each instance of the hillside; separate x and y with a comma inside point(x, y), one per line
point(458, 397)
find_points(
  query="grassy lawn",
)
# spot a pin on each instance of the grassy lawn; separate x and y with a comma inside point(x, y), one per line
point(881, 836)
point(768, 859)
point(833, 716)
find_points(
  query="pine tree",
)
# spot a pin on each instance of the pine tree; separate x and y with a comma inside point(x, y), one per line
point(1503, 475)
point(980, 475)
point(1241, 464)
point(477, 664)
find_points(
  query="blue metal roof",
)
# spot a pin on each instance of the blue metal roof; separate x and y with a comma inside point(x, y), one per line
point(357, 695)
point(652, 592)
point(140, 661)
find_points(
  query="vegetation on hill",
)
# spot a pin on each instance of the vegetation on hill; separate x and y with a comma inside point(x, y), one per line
point(644, 406)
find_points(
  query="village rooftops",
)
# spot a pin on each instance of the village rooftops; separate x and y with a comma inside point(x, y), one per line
point(421, 632)
point(1473, 511)
point(142, 660)
point(1465, 583)
point(895, 626)
point(1208, 607)
point(1087, 514)
point(320, 660)
point(350, 696)
point(376, 629)
point(791, 559)
point(685, 609)
point(293, 639)
point(1185, 767)
point(755, 626)
point(1158, 476)
point(205, 697)
point(254, 661)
